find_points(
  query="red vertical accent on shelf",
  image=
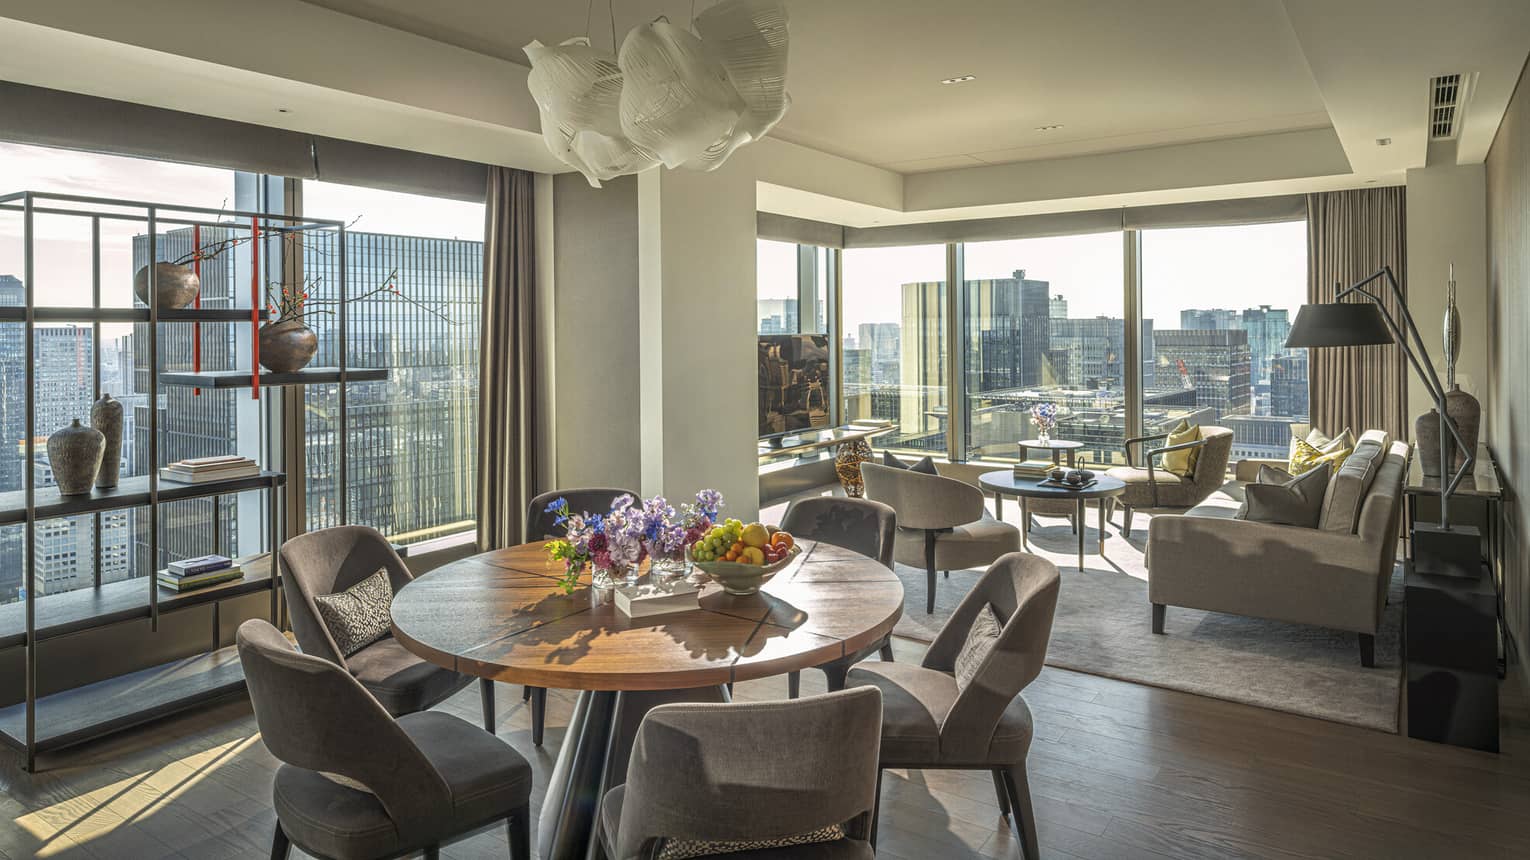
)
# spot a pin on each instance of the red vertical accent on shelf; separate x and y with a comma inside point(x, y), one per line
point(255, 308)
point(196, 327)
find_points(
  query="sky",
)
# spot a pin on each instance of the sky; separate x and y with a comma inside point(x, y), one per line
point(1203, 267)
point(63, 265)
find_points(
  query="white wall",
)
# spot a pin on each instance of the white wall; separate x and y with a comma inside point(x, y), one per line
point(1447, 222)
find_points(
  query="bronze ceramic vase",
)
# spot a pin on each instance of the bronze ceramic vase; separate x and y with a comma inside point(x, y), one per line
point(1426, 435)
point(174, 286)
point(74, 455)
point(1467, 413)
point(106, 416)
point(287, 345)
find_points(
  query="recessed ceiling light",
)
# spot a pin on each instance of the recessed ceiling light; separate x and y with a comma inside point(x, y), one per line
point(1383, 141)
point(960, 79)
point(1049, 127)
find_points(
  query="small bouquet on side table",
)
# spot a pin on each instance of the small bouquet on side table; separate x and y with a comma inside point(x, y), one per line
point(1044, 416)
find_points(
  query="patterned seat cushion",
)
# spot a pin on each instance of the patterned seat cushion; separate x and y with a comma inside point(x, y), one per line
point(359, 615)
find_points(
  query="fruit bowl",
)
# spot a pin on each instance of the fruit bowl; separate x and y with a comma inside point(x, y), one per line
point(745, 579)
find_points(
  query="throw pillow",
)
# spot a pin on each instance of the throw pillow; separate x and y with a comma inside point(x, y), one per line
point(1297, 502)
point(1182, 463)
point(1267, 475)
point(1307, 457)
point(981, 639)
point(682, 849)
point(359, 615)
point(925, 465)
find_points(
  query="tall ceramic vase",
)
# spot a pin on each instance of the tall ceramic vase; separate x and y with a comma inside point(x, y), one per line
point(106, 416)
point(74, 455)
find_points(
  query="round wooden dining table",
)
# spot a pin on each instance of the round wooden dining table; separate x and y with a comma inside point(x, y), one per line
point(502, 615)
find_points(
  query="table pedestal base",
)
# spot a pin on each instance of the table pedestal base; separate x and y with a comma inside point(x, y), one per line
point(593, 760)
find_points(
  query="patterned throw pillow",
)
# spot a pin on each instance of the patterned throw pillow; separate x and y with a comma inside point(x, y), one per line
point(981, 640)
point(1307, 457)
point(681, 849)
point(1182, 463)
point(359, 615)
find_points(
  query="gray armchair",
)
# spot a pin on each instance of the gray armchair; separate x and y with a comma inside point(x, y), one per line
point(539, 526)
point(330, 561)
point(748, 773)
point(859, 525)
point(943, 523)
point(1150, 487)
point(355, 783)
point(929, 721)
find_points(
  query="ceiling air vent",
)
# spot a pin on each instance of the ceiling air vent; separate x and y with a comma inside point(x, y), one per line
point(1447, 96)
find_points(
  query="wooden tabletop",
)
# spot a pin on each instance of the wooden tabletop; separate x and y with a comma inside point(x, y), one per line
point(502, 615)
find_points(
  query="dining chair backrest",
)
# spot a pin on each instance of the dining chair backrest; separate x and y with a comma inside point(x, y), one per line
point(759, 770)
point(596, 500)
point(326, 562)
point(923, 501)
point(313, 715)
point(859, 525)
point(1022, 589)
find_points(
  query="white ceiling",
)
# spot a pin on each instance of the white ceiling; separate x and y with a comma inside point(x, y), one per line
point(866, 74)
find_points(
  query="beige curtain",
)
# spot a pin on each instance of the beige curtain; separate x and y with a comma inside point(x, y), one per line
point(1350, 235)
point(507, 350)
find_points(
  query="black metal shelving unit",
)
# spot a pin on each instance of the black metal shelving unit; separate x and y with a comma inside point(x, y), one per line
point(42, 723)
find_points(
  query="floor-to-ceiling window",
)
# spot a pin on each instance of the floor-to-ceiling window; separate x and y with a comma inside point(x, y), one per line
point(1042, 322)
point(1218, 303)
point(414, 272)
point(893, 330)
point(794, 352)
point(71, 356)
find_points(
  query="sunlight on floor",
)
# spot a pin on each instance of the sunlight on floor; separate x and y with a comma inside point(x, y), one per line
point(67, 824)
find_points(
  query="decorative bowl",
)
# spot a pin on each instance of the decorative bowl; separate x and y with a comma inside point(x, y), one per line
point(745, 579)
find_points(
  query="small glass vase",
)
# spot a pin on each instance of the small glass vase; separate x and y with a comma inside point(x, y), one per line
point(603, 577)
point(1044, 435)
point(668, 567)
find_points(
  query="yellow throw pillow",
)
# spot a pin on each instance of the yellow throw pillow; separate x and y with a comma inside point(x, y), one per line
point(1182, 463)
point(1307, 457)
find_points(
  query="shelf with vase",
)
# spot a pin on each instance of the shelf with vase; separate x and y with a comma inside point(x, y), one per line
point(245, 379)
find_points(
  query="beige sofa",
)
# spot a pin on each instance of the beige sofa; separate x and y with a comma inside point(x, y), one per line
point(1333, 576)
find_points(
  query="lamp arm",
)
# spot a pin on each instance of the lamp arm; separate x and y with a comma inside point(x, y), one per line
point(1425, 372)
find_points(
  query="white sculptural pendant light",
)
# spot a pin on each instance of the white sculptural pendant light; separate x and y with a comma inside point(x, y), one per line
point(668, 96)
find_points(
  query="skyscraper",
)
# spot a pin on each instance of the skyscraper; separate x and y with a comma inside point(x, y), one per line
point(1214, 363)
point(1288, 385)
point(1008, 330)
point(777, 316)
point(1267, 329)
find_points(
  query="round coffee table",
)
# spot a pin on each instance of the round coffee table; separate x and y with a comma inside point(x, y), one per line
point(1004, 483)
point(501, 615)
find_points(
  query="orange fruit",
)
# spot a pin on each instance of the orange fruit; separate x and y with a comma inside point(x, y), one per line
point(738, 547)
point(782, 540)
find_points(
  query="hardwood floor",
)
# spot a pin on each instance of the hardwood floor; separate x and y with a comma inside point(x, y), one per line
point(1117, 771)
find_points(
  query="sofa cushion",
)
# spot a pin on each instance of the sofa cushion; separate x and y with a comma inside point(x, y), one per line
point(1348, 485)
point(1306, 457)
point(1174, 491)
point(924, 465)
point(1182, 463)
point(1296, 502)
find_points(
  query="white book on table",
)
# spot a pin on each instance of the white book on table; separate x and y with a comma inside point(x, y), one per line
point(649, 598)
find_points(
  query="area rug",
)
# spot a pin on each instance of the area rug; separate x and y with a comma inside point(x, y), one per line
point(1103, 627)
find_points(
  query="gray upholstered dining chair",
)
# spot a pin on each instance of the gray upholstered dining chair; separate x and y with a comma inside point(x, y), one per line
point(1149, 487)
point(859, 525)
point(782, 780)
point(943, 523)
point(334, 559)
point(540, 525)
point(355, 782)
point(931, 719)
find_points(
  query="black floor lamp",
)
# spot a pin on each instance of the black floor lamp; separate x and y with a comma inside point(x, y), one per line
point(1443, 548)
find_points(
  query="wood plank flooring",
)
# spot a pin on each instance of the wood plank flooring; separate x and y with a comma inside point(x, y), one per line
point(1118, 770)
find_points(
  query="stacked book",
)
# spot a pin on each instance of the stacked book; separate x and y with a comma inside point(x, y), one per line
point(1034, 468)
point(193, 573)
point(203, 469)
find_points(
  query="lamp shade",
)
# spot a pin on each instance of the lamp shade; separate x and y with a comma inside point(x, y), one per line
point(1338, 324)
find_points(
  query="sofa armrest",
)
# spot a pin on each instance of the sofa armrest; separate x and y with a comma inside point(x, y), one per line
point(1286, 573)
point(1247, 471)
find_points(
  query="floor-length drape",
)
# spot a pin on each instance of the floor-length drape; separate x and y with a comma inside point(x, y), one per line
point(1350, 235)
point(507, 355)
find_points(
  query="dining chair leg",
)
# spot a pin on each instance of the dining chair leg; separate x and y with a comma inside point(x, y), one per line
point(886, 651)
point(281, 846)
point(519, 826)
point(929, 570)
point(538, 714)
point(1126, 521)
point(1020, 804)
point(433, 852)
point(793, 685)
point(486, 692)
point(876, 810)
point(1000, 790)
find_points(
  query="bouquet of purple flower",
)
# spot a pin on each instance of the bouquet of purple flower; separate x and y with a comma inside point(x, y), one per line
point(1044, 416)
point(621, 538)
